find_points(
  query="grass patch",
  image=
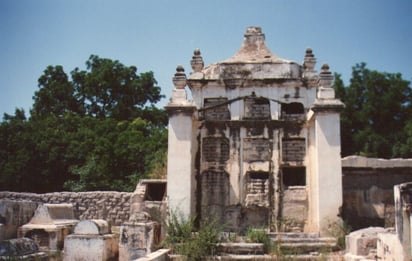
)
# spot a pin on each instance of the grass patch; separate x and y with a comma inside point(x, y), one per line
point(259, 235)
point(187, 240)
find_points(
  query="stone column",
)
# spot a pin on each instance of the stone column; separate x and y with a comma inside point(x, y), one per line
point(403, 217)
point(180, 177)
point(325, 181)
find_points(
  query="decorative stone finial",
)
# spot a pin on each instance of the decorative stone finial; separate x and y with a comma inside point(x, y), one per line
point(325, 77)
point(254, 35)
point(179, 80)
point(325, 90)
point(197, 61)
point(253, 30)
point(309, 60)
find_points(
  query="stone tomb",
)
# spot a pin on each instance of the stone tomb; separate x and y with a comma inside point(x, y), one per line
point(258, 145)
point(91, 240)
point(49, 226)
point(140, 235)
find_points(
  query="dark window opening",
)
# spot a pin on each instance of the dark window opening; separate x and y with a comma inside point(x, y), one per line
point(258, 175)
point(292, 111)
point(257, 182)
point(294, 176)
point(155, 191)
point(292, 108)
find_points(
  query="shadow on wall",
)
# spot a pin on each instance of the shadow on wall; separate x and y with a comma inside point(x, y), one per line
point(368, 198)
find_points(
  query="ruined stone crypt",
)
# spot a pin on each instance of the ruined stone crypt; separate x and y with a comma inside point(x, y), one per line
point(258, 143)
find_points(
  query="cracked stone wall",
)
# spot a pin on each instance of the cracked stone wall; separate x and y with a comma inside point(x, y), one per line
point(109, 205)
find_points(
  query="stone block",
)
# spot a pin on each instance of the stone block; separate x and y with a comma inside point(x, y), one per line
point(137, 239)
point(361, 242)
point(92, 227)
point(91, 247)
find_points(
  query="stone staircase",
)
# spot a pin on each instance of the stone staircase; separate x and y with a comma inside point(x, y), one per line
point(285, 246)
point(303, 243)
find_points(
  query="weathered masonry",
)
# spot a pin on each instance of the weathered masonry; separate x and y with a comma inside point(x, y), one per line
point(259, 143)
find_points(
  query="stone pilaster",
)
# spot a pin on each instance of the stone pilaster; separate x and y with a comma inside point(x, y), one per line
point(180, 158)
point(325, 165)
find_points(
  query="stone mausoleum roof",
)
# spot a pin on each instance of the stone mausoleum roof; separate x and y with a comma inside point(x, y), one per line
point(253, 60)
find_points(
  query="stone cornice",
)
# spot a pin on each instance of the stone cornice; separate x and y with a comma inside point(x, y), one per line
point(173, 109)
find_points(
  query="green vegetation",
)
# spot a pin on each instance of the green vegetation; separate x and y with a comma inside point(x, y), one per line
point(377, 119)
point(259, 235)
point(97, 130)
point(184, 239)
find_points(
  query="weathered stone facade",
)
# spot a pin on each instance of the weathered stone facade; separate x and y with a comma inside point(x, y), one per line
point(259, 130)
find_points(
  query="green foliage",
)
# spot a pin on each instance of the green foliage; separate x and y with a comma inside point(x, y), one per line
point(259, 235)
point(97, 131)
point(109, 89)
point(378, 109)
point(184, 239)
point(56, 95)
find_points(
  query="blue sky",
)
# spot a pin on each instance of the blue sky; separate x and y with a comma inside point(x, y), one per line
point(157, 35)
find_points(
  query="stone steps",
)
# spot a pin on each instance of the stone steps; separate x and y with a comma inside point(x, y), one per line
point(303, 243)
point(290, 246)
point(240, 248)
point(313, 257)
point(233, 257)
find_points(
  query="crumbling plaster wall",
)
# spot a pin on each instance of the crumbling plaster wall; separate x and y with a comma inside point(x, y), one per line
point(109, 205)
point(368, 189)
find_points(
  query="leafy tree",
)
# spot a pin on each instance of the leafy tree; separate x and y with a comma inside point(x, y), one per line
point(98, 130)
point(15, 151)
point(56, 95)
point(378, 106)
point(109, 89)
point(120, 158)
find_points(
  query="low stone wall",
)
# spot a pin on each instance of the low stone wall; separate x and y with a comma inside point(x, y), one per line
point(108, 205)
point(368, 198)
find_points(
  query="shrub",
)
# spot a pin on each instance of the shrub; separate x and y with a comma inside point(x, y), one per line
point(184, 239)
point(257, 235)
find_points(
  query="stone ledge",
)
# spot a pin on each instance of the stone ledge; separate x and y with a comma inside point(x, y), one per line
point(375, 163)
